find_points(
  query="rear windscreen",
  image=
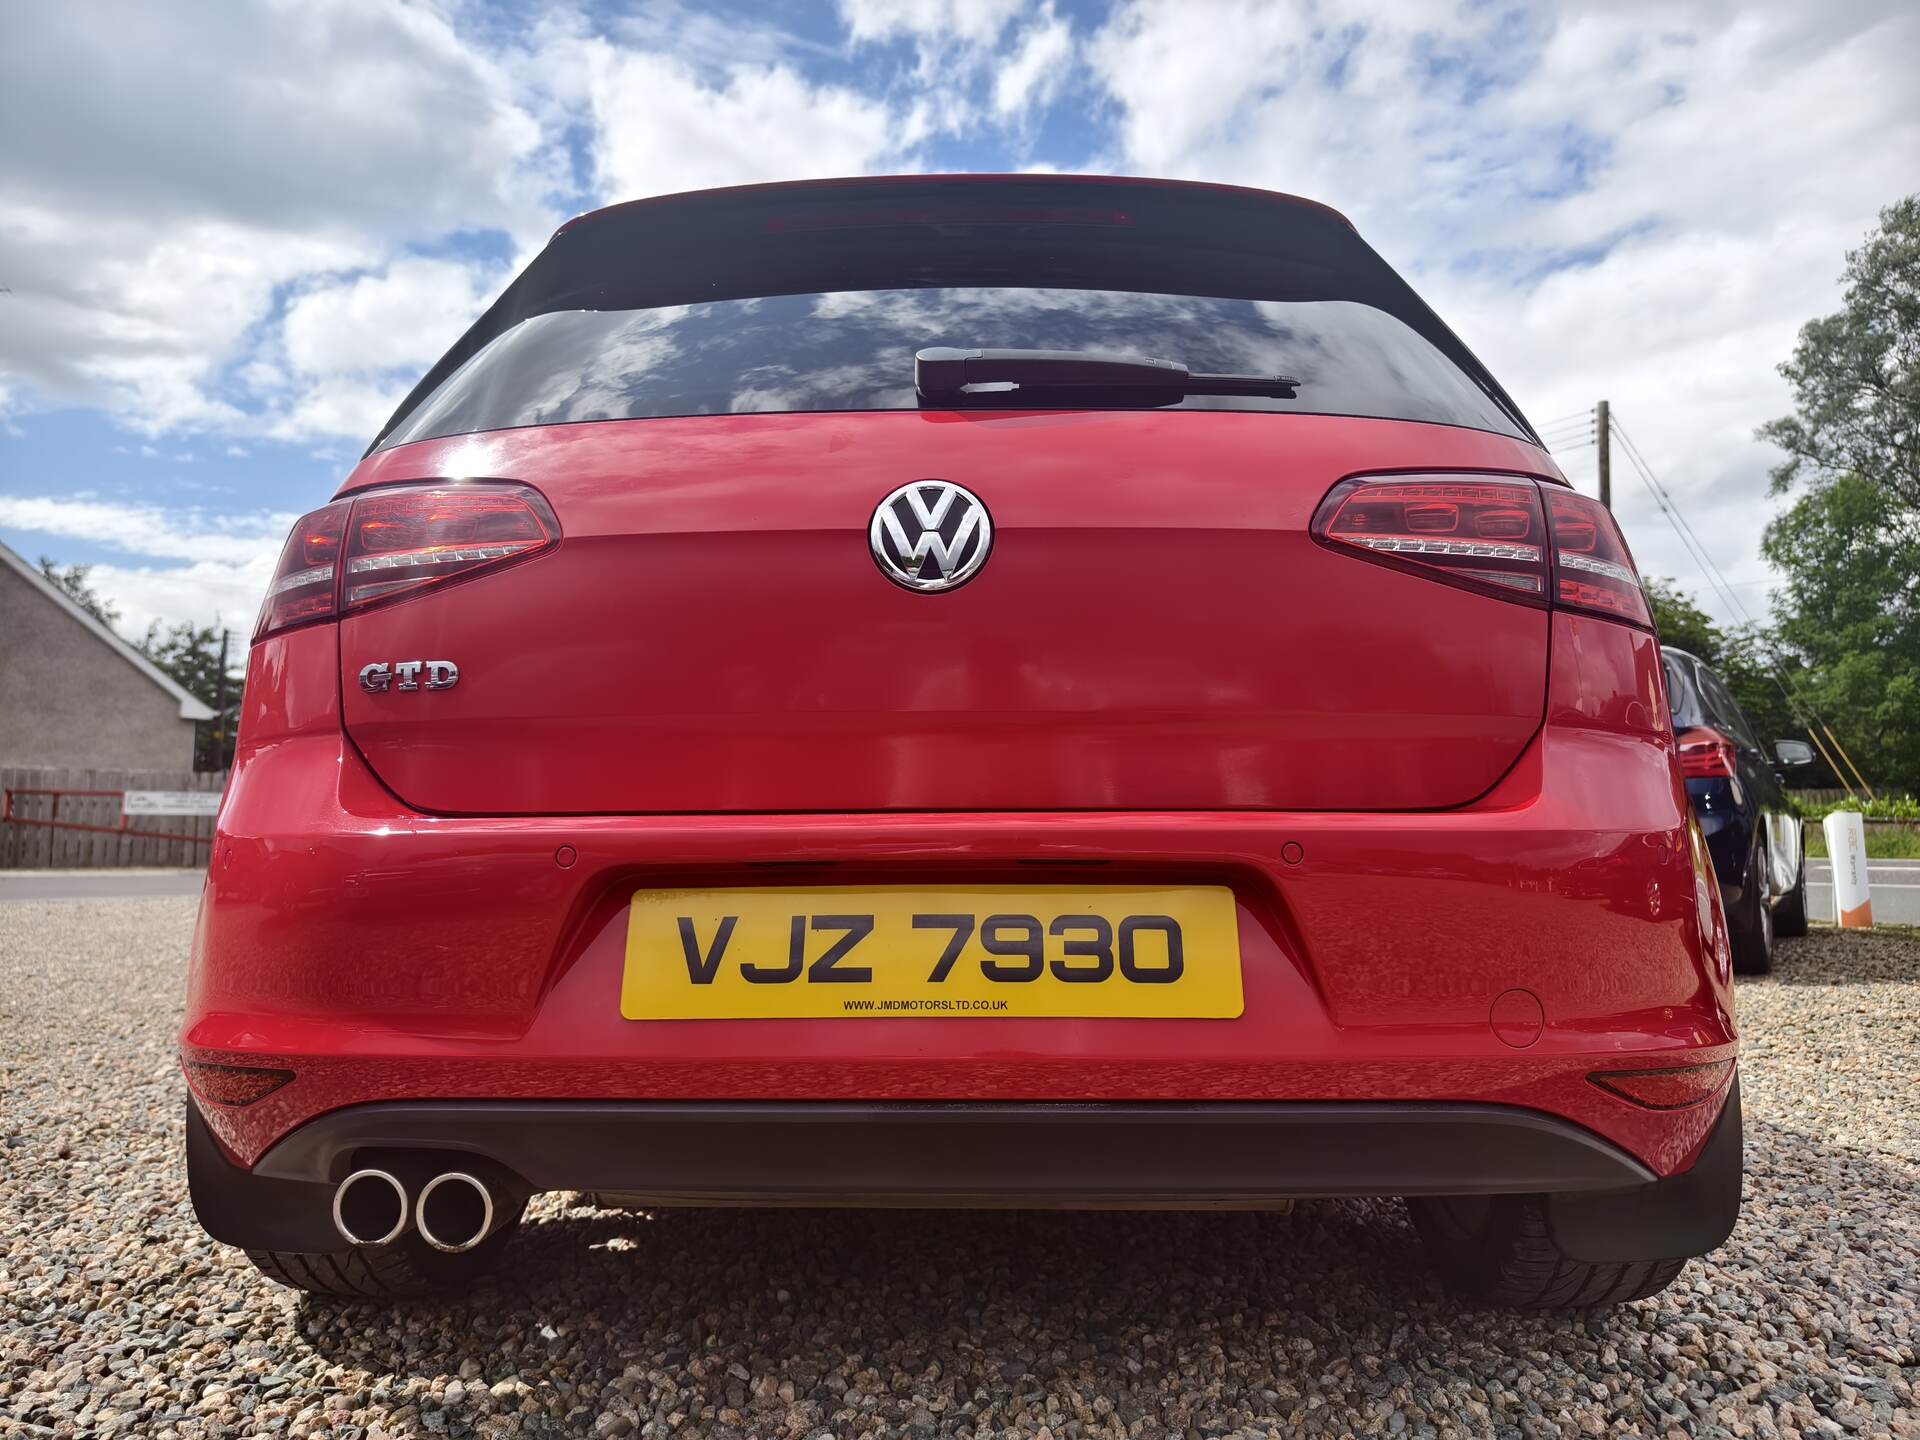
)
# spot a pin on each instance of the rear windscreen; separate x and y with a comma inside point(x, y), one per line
point(815, 299)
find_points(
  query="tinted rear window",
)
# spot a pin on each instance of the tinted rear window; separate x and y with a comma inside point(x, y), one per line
point(853, 350)
point(816, 298)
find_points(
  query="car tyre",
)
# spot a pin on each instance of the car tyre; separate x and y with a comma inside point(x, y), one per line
point(1498, 1249)
point(402, 1269)
point(1750, 923)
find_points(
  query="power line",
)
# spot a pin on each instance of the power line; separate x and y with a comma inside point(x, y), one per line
point(1585, 417)
point(1582, 427)
point(1689, 538)
point(1661, 493)
point(1715, 576)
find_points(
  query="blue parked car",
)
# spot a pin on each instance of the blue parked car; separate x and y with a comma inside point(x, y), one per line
point(1738, 791)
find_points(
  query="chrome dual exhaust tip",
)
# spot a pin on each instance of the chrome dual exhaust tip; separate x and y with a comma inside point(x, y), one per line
point(370, 1207)
point(454, 1211)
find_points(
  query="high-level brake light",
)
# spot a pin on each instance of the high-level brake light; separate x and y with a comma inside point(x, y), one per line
point(385, 544)
point(1491, 533)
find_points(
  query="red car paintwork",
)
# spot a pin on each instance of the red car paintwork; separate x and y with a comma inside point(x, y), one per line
point(712, 635)
point(379, 951)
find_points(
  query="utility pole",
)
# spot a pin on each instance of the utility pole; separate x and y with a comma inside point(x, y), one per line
point(1603, 446)
point(221, 727)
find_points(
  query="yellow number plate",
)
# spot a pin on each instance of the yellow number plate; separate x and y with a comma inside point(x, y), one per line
point(1148, 951)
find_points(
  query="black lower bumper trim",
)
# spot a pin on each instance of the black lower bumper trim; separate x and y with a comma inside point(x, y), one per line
point(1686, 1214)
point(862, 1153)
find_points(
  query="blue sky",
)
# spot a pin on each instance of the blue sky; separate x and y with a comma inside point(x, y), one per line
point(232, 236)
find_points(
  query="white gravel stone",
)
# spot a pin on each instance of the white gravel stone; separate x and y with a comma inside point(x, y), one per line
point(118, 1318)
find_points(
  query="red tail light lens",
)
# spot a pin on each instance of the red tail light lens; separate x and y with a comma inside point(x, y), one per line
point(1705, 754)
point(1483, 532)
point(306, 580)
point(1488, 532)
point(383, 544)
point(404, 540)
point(1592, 567)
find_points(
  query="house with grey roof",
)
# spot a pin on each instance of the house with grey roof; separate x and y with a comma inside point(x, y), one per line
point(73, 693)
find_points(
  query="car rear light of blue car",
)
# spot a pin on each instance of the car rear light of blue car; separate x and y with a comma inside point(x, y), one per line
point(1706, 754)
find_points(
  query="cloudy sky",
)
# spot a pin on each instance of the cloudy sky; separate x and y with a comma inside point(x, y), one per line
point(232, 235)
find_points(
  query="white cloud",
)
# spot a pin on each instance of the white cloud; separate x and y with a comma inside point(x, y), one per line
point(973, 21)
point(205, 593)
point(1032, 74)
point(148, 530)
point(349, 349)
point(403, 317)
point(220, 564)
point(337, 406)
point(661, 127)
point(181, 173)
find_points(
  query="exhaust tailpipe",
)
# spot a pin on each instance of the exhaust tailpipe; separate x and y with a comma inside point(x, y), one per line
point(370, 1207)
point(454, 1212)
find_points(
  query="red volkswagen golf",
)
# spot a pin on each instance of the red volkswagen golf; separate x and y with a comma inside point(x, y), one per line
point(969, 691)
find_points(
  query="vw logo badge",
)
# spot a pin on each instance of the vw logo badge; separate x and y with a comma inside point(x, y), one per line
point(930, 535)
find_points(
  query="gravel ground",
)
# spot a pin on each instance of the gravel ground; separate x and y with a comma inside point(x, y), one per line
point(118, 1318)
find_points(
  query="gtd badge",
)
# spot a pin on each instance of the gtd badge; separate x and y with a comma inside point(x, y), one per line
point(382, 676)
point(930, 535)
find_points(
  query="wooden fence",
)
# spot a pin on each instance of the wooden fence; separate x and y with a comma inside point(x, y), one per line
point(40, 847)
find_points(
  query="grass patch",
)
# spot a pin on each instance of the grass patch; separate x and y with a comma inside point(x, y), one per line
point(1884, 842)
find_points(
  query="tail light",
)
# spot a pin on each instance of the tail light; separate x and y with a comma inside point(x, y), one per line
point(1483, 532)
point(1490, 533)
point(307, 577)
point(404, 540)
point(1592, 568)
point(386, 544)
point(1705, 754)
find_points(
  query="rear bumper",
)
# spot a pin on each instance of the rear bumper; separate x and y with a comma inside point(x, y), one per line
point(1497, 954)
point(1606, 1204)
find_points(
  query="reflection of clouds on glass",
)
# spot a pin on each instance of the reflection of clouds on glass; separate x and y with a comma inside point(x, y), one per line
point(589, 368)
point(853, 350)
point(780, 387)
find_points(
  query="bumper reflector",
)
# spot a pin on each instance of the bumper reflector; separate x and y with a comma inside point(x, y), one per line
point(1673, 1089)
point(233, 1084)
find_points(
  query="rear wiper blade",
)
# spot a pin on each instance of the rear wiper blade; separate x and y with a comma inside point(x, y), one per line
point(944, 375)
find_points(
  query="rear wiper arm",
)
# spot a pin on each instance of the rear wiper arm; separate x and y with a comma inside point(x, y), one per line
point(943, 375)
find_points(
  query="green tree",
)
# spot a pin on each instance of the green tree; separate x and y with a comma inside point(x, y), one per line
point(1748, 659)
point(191, 655)
point(1682, 623)
point(72, 580)
point(1856, 375)
point(1848, 616)
point(1850, 613)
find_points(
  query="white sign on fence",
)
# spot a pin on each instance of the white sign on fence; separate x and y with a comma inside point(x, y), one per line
point(170, 802)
